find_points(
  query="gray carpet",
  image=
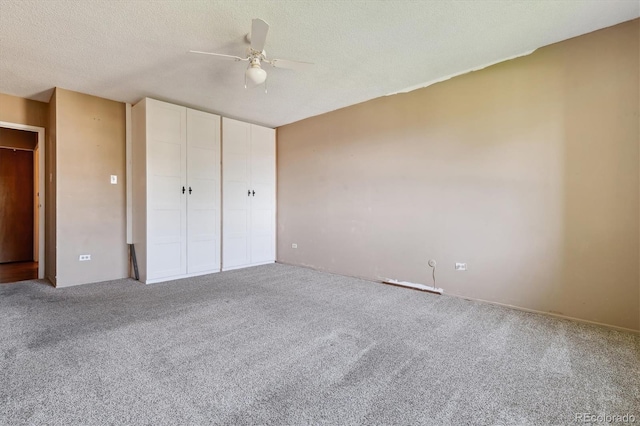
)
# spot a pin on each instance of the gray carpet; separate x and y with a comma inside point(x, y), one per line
point(282, 345)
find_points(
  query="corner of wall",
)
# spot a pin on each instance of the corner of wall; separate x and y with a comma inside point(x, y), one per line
point(90, 215)
point(51, 192)
point(533, 162)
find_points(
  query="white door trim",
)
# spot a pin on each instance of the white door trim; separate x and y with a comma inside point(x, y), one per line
point(41, 173)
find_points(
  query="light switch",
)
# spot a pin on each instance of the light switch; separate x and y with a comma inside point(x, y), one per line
point(114, 179)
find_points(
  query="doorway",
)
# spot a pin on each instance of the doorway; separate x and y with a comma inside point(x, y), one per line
point(21, 202)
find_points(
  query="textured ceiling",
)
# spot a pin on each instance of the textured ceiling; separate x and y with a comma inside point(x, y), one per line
point(125, 50)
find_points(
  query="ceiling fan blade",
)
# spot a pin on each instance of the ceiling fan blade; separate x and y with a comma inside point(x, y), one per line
point(292, 65)
point(259, 30)
point(237, 58)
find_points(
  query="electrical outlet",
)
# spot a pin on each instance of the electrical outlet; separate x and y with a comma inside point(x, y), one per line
point(84, 257)
point(294, 246)
point(114, 179)
point(461, 266)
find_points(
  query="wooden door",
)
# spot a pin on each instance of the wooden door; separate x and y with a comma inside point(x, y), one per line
point(236, 150)
point(203, 192)
point(16, 205)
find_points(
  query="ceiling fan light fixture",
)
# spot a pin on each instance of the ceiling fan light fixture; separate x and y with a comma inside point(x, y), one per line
point(256, 55)
point(255, 74)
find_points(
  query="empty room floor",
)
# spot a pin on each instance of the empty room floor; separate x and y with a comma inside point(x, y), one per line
point(285, 345)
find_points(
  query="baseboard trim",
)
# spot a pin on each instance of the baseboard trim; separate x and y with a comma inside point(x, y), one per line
point(179, 277)
point(550, 314)
point(233, 268)
point(504, 305)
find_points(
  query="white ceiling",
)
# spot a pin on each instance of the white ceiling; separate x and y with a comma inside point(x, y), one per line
point(125, 50)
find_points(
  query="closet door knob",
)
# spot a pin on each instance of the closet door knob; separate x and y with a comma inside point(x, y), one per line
point(249, 193)
point(183, 189)
point(189, 190)
point(253, 193)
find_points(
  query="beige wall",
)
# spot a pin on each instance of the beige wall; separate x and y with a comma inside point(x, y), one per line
point(23, 111)
point(527, 171)
point(51, 196)
point(22, 139)
point(90, 136)
point(33, 113)
point(84, 213)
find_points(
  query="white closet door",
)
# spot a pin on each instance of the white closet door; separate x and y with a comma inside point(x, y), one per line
point(235, 192)
point(166, 172)
point(263, 182)
point(203, 192)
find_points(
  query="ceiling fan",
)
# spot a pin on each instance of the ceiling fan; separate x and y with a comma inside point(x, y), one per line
point(256, 55)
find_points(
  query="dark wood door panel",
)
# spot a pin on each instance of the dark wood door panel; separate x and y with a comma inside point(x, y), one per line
point(18, 271)
point(16, 205)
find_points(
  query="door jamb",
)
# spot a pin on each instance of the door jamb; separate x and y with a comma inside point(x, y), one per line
point(40, 146)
